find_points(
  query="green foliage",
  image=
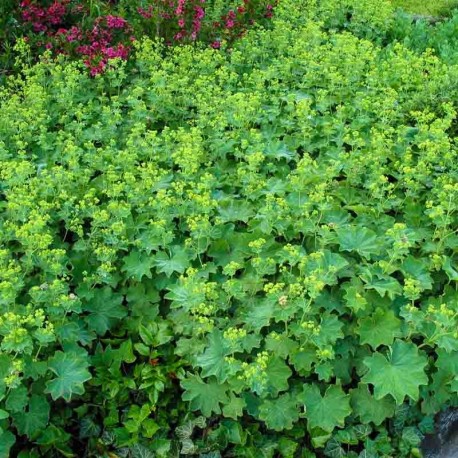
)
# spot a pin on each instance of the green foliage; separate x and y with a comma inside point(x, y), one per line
point(249, 253)
point(441, 7)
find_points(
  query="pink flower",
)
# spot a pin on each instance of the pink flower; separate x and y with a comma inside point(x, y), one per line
point(147, 14)
point(216, 44)
point(115, 22)
point(200, 12)
point(230, 23)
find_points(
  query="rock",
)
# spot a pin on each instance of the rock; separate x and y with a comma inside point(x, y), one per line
point(443, 444)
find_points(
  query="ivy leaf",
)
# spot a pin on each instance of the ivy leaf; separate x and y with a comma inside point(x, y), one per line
point(7, 440)
point(203, 396)
point(105, 309)
point(328, 411)
point(212, 360)
point(400, 373)
point(71, 371)
point(359, 239)
point(138, 265)
point(380, 328)
point(33, 421)
point(177, 261)
point(370, 409)
point(279, 414)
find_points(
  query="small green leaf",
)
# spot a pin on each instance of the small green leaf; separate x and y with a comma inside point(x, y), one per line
point(203, 396)
point(380, 328)
point(105, 309)
point(17, 399)
point(328, 411)
point(370, 409)
point(278, 373)
point(138, 265)
point(212, 360)
point(279, 414)
point(400, 373)
point(177, 261)
point(234, 408)
point(71, 371)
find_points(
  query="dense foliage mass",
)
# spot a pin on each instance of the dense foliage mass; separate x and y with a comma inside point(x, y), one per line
point(249, 253)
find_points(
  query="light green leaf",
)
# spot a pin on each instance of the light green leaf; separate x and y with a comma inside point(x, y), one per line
point(105, 309)
point(260, 313)
point(138, 265)
point(279, 414)
point(328, 411)
point(203, 396)
point(35, 419)
point(234, 408)
point(71, 371)
point(380, 328)
point(400, 373)
point(177, 261)
point(370, 409)
point(359, 239)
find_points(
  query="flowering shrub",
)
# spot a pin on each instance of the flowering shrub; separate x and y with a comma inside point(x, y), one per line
point(249, 253)
point(98, 33)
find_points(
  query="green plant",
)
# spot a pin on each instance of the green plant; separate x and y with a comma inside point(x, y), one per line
point(247, 253)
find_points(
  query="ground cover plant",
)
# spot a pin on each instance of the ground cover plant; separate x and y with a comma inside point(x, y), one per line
point(248, 253)
point(438, 8)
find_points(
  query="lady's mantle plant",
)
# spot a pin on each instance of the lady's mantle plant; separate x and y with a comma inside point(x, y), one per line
point(231, 254)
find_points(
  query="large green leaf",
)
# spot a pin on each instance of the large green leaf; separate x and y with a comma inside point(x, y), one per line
point(34, 419)
point(359, 239)
point(204, 396)
point(279, 414)
point(105, 309)
point(328, 411)
point(380, 328)
point(399, 373)
point(71, 372)
point(369, 408)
